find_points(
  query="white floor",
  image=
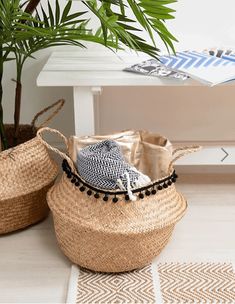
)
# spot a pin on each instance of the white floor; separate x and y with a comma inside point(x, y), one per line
point(33, 270)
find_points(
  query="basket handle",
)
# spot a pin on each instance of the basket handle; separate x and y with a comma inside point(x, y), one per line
point(58, 105)
point(182, 151)
point(57, 151)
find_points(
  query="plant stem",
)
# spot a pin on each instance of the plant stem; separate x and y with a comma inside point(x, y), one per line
point(30, 8)
point(18, 94)
point(2, 129)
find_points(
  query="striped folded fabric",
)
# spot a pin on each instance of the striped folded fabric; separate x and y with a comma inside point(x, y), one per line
point(103, 166)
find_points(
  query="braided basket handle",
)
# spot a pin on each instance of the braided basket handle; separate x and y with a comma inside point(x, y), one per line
point(58, 105)
point(57, 151)
point(182, 151)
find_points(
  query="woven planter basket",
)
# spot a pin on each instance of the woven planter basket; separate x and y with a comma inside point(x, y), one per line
point(113, 235)
point(26, 174)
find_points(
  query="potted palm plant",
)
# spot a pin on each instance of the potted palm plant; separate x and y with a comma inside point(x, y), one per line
point(26, 27)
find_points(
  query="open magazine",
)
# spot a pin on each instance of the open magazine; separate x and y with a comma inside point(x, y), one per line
point(153, 67)
point(210, 68)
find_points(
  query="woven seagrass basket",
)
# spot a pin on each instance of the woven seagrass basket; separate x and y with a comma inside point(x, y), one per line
point(26, 174)
point(102, 230)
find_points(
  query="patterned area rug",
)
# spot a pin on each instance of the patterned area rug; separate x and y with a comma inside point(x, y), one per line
point(157, 283)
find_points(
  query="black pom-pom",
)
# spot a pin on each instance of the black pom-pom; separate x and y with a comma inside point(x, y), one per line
point(127, 198)
point(97, 195)
point(105, 198)
point(147, 192)
point(64, 163)
point(73, 180)
point(82, 188)
point(159, 187)
point(141, 195)
point(77, 184)
point(89, 192)
point(115, 199)
point(169, 183)
point(69, 175)
point(173, 180)
point(165, 185)
point(153, 191)
point(175, 175)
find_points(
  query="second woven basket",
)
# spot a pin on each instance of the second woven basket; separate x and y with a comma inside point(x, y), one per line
point(103, 230)
point(26, 174)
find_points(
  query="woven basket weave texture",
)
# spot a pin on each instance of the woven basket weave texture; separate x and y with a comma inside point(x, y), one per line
point(107, 237)
point(26, 174)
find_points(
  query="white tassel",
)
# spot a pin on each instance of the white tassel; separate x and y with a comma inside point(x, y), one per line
point(120, 184)
point(143, 180)
point(131, 195)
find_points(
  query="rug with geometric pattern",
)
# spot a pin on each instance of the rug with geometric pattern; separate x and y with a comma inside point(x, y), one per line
point(158, 283)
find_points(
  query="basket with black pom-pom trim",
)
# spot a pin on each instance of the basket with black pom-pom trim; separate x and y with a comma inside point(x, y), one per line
point(104, 230)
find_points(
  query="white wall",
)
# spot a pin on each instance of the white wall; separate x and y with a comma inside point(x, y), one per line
point(179, 113)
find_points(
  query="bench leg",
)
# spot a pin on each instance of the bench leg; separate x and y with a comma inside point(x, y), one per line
point(84, 114)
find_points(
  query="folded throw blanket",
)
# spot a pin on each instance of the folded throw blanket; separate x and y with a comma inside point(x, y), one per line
point(103, 166)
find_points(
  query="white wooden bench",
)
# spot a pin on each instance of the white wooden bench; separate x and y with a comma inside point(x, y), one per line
point(87, 72)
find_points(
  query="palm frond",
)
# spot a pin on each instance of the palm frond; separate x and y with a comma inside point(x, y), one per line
point(149, 16)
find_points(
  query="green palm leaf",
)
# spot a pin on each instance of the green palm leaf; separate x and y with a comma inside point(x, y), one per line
point(24, 30)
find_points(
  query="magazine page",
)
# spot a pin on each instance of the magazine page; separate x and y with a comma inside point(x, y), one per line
point(153, 67)
point(208, 69)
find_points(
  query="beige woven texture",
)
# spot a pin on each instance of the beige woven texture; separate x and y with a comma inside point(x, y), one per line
point(107, 237)
point(26, 174)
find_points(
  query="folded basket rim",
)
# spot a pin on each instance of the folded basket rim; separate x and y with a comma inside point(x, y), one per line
point(118, 232)
point(68, 214)
point(77, 178)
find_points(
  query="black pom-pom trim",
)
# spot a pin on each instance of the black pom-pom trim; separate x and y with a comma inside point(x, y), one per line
point(115, 199)
point(141, 195)
point(97, 195)
point(82, 188)
point(105, 198)
point(89, 192)
point(147, 190)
